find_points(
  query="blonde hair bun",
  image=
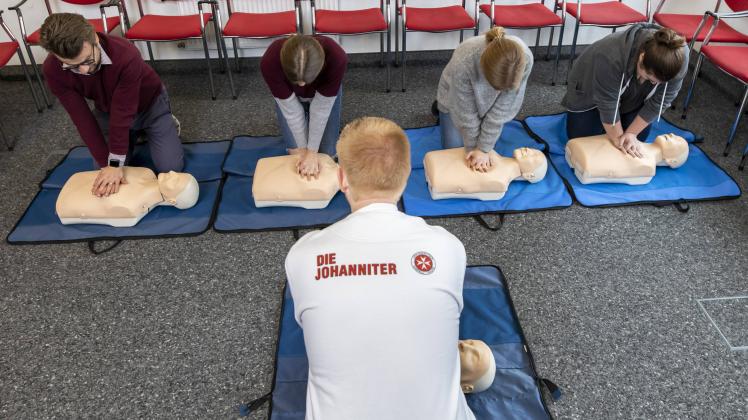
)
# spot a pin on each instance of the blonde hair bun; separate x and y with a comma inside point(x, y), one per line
point(497, 32)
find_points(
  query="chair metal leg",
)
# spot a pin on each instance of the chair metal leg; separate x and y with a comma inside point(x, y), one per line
point(397, 40)
point(558, 55)
point(405, 55)
point(8, 145)
point(236, 55)
point(210, 69)
point(389, 59)
point(537, 42)
point(221, 62)
point(553, 30)
point(695, 77)
point(742, 161)
point(735, 123)
point(573, 49)
point(39, 82)
point(39, 106)
point(222, 46)
point(150, 54)
point(550, 44)
point(462, 36)
point(381, 49)
point(614, 30)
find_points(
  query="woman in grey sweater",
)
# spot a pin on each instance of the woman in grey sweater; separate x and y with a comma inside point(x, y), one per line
point(480, 90)
point(623, 82)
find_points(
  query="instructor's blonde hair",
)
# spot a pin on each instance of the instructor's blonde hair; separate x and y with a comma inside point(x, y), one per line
point(375, 156)
point(503, 61)
point(302, 58)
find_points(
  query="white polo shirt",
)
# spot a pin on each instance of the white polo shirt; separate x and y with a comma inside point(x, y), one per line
point(379, 296)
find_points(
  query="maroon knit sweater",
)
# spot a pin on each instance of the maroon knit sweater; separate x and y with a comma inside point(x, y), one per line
point(123, 89)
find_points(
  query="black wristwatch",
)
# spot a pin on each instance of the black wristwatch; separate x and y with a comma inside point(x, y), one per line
point(114, 163)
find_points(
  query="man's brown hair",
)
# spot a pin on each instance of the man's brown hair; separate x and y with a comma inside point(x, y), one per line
point(375, 156)
point(302, 58)
point(503, 62)
point(663, 54)
point(63, 34)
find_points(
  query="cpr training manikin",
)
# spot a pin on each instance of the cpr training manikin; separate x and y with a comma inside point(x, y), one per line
point(477, 366)
point(449, 175)
point(142, 192)
point(596, 160)
point(276, 183)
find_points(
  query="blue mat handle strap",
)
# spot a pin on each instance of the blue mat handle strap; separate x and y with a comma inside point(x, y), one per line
point(552, 388)
point(482, 221)
point(246, 409)
point(92, 247)
point(682, 206)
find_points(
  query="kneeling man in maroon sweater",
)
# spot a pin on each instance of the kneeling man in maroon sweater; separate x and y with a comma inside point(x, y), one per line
point(128, 97)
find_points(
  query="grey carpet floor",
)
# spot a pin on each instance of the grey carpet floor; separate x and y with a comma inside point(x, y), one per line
point(186, 327)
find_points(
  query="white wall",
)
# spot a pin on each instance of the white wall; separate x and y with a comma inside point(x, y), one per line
point(34, 13)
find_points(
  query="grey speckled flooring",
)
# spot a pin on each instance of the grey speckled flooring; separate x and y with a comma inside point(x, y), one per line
point(186, 327)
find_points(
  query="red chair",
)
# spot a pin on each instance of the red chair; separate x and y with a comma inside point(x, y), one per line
point(534, 15)
point(605, 14)
point(104, 24)
point(168, 28)
point(431, 19)
point(356, 22)
point(731, 59)
point(259, 25)
point(7, 50)
point(695, 27)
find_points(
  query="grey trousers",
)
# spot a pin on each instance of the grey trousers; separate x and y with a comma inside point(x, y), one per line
point(161, 131)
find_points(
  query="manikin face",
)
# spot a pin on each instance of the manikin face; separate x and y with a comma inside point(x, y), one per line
point(178, 189)
point(532, 163)
point(643, 75)
point(475, 363)
point(674, 149)
point(87, 62)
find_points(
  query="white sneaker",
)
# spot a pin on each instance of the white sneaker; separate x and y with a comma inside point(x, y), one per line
point(178, 124)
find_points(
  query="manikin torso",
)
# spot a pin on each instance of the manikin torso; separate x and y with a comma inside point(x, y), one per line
point(449, 175)
point(596, 160)
point(277, 183)
point(76, 204)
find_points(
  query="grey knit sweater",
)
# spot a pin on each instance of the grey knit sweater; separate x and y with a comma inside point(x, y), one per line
point(477, 109)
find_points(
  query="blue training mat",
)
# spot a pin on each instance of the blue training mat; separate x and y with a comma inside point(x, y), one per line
point(488, 315)
point(550, 193)
point(237, 211)
point(40, 224)
point(698, 179)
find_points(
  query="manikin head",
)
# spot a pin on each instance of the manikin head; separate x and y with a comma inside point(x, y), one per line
point(73, 40)
point(179, 189)
point(674, 149)
point(477, 366)
point(532, 163)
point(374, 158)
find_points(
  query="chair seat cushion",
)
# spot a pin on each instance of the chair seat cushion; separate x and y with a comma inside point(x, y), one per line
point(7, 49)
point(533, 15)
point(98, 24)
point(261, 25)
point(350, 21)
point(686, 25)
point(730, 58)
point(606, 13)
point(167, 28)
point(438, 19)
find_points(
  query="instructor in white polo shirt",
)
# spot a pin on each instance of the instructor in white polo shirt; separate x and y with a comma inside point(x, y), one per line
point(379, 295)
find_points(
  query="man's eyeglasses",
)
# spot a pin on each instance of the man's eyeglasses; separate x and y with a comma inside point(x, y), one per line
point(90, 61)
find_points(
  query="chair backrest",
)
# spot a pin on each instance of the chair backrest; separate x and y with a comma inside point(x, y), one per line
point(737, 5)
